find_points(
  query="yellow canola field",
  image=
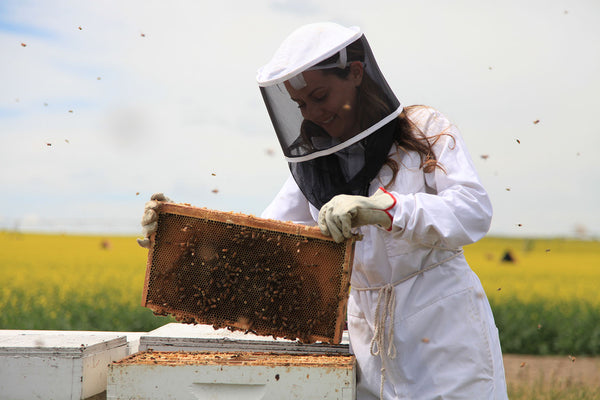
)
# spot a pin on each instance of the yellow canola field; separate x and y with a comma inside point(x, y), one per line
point(51, 271)
point(553, 270)
point(46, 273)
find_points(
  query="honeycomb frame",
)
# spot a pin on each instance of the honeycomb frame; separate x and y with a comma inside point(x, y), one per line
point(246, 273)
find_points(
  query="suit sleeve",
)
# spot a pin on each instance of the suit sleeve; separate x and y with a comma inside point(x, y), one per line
point(459, 211)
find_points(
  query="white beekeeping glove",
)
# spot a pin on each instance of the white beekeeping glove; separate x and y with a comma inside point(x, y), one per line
point(344, 212)
point(150, 218)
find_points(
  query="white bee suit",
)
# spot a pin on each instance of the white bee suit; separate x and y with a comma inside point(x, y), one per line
point(412, 285)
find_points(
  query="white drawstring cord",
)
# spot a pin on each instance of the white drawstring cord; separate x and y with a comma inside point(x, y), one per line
point(387, 295)
point(386, 304)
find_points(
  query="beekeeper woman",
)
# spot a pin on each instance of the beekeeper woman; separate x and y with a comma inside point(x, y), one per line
point(419, 322)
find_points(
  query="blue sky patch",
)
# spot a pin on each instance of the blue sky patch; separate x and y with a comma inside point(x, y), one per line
point(9, 26)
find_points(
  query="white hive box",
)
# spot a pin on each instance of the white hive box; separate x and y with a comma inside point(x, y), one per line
point(180, 361)
point(232, 376)
point(57, 364)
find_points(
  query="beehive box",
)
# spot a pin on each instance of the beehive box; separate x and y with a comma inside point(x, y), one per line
point(232, 375)
point(203, 338)
point(57, 364)
point(247, 273)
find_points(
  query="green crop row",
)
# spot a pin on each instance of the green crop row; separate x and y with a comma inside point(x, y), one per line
point(536, 327)
point(73, 311)
point(544, 328)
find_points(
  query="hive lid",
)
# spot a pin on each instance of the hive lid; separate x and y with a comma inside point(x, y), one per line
point(238, 271)
point(72, 344)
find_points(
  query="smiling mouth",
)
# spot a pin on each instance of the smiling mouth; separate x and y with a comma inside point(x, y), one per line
point(328, 120)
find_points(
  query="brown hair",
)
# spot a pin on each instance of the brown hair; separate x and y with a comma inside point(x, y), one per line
point(409, 137)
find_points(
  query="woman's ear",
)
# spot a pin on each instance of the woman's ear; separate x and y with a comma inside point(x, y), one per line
point(356, 72)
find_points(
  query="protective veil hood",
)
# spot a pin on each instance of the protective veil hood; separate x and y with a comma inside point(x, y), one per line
point(332, 146)
point(304, 48)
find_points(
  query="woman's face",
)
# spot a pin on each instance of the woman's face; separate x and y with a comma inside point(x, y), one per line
point(330, 101)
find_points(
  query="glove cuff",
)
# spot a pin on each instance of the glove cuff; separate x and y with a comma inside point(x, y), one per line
point(387, 209)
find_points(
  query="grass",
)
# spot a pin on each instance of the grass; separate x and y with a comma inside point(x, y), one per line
point(542, 390)
point(545, 328)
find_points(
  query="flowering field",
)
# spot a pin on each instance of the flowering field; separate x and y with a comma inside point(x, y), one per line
point(546, 301)
point(73, 282)
point(553, 270)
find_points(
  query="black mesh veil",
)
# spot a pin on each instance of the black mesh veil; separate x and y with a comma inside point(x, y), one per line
point(323, 177)
point(323, 163)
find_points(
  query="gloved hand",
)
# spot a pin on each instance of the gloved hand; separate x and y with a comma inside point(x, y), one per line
point(344, 212)
point(150, 218)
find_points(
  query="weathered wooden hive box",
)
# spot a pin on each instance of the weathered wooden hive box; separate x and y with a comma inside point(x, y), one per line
point(242, 272)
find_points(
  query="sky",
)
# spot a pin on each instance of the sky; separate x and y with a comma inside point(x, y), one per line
point(104, 103)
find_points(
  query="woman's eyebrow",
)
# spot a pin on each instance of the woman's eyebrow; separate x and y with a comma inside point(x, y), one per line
point(311, 94)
